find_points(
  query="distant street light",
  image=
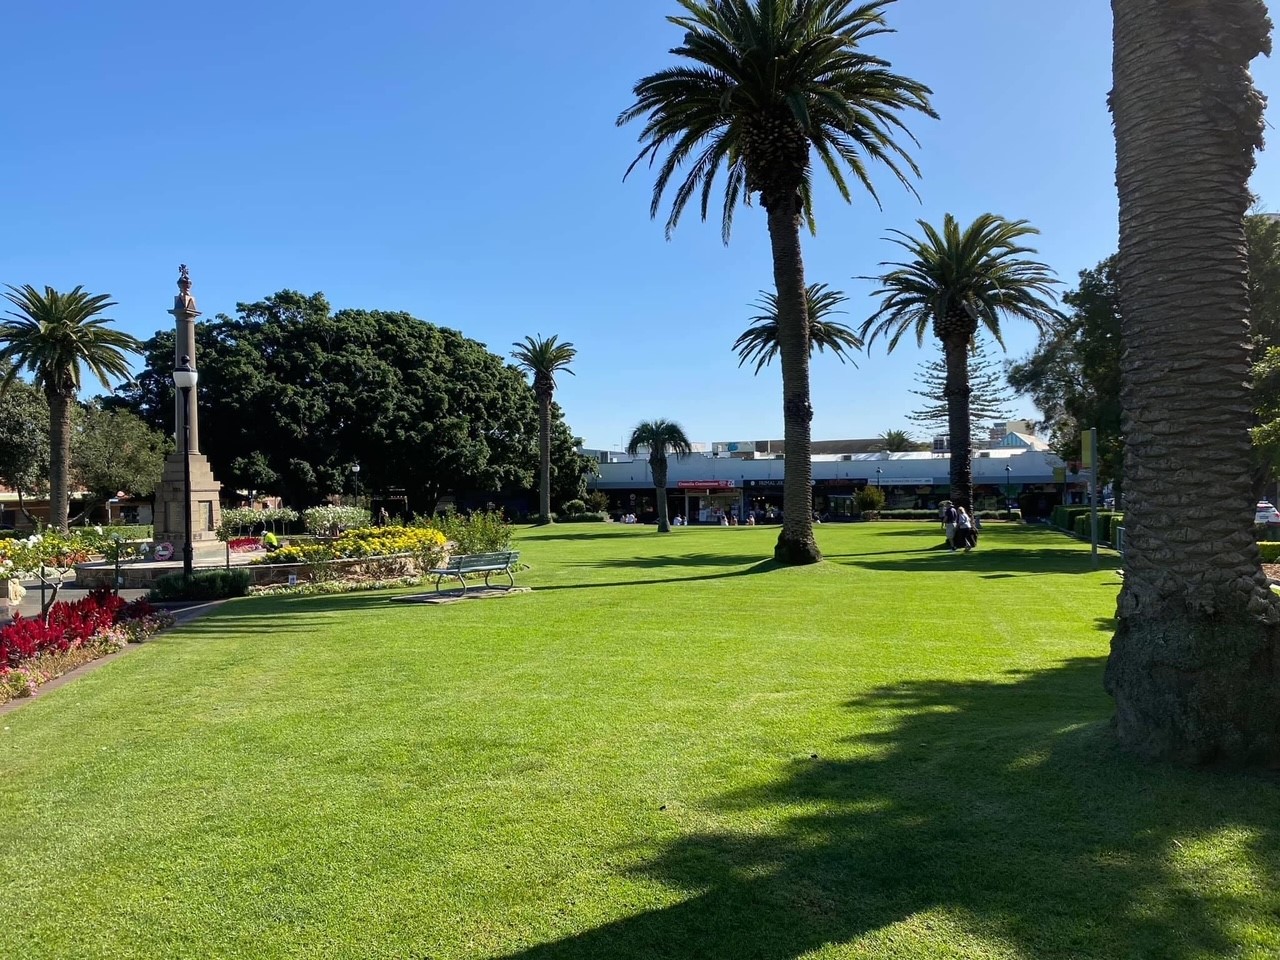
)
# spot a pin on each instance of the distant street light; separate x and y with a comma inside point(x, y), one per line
point(1008, 487)
point(355, 468)
point(877, 478)
point(184, 378)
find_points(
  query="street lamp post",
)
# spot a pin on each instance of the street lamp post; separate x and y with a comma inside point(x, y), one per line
point(1008, 487)
point(184, 378)
point(355, 469)
point(877, 478)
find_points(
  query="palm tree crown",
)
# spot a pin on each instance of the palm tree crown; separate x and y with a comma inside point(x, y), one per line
point(959, 279)
point(54, 335)
point(897, 441)
point(767, 81)
point(759, 342)
point(659, 437)
point(543, 358)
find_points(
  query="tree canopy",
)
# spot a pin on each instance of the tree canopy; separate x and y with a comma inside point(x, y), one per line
point(292, 395)
point(990, 400)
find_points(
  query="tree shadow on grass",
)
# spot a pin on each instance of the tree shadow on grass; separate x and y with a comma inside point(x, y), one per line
point(692, 560)
point(987, 559)
point(762, 566)
point(1005, 808)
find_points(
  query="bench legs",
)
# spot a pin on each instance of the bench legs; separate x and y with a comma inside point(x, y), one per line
point(461, 579)
point(489, 573)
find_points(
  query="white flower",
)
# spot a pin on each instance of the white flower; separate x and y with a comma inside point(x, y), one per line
point(97, 529)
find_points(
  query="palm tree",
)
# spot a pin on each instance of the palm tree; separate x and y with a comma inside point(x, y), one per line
point(52, 335)
point(1194, 666)
point(659, 436)
point(897, 441)
point(763, 85)
point(956, 281)
point(759, 342)
point(544, 359)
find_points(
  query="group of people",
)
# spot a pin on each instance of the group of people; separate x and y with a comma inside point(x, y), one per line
point(961, 527)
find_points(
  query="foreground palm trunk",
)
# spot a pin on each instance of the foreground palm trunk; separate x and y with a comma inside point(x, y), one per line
point(1193, 665)
point(59, 459)
point(544, 459)
point(958, 424)
point(796, 544)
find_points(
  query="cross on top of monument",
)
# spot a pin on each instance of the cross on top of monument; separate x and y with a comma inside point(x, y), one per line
point(184, 279)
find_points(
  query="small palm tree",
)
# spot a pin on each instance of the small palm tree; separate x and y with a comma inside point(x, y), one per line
point(52, 335)
point(759, 342)
point(659, 436)
point(955, 281)
point(544, 359)
point(762, 86)
point(897, 441)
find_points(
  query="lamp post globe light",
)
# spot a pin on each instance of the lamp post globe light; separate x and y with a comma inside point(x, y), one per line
point(355, 469)
point(877, 478)
point(184, 378)
point(1008, 487)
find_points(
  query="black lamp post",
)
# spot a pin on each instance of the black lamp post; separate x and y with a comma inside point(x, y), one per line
point(355, 469)
point(1008, 487)
point(184, 378)
point(877, 478)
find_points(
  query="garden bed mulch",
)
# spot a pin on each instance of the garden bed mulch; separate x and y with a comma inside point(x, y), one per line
point(453, 596)
point(1272, 570)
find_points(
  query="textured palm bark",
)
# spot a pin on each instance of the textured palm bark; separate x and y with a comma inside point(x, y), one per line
point(59, 458)
point(544, 457)
point(958, 391)
point(658, 465)
point(1194, 667)
point(796, 544)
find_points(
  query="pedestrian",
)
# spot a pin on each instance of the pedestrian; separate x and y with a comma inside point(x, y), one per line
point(964, 530)
point(977, 529)
point(950, 516)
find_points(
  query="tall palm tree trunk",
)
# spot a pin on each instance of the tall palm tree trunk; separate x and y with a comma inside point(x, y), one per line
point(544, 458)
point(796, 544)
point(1194, 667)
point(660, 487)
point(59, 458)
point(958, 392)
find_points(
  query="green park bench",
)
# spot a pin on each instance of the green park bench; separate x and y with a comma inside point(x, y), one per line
point(487, 563)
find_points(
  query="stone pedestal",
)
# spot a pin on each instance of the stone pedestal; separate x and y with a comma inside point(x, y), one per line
point(206, 511)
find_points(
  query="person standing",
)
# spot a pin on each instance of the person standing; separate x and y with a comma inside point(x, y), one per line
point(950, 516)
point(963, 530)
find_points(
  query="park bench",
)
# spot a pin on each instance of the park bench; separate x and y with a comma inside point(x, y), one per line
point(487, 563)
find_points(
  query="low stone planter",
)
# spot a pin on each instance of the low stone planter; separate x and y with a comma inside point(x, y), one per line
point(144, 576)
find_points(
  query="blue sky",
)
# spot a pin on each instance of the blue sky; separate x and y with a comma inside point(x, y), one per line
point(405, 155)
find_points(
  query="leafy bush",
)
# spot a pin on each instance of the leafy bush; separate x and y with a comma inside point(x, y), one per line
point(598, 501)
point(241, 521)
point(203, 585)
point(322, 520)
point(1064, 517)
point(68, 624)
point(1082, 525)
point(1270, 552)
point(424, 544)
point(870, 499)
point(484, 531)
point(572, 508)
point(586, 518)
point(126, 531)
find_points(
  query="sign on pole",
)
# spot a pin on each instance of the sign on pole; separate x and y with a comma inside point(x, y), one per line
point(1089, 458)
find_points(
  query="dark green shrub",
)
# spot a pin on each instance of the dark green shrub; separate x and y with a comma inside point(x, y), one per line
point(1082, 524)
point(572, 508)
point(1064, 518)
point(870, 500)
point(585, 518)
point(598, 501)
point(1270, 552)
point(204, 585)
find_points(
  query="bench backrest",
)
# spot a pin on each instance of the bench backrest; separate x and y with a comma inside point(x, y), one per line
point(483, 561)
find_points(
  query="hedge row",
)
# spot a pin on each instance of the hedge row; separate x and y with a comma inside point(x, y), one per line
point(205, 585)
point(1270, 552)
point(1107, 523)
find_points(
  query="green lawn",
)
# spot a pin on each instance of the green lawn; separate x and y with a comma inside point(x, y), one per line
point(669, 749)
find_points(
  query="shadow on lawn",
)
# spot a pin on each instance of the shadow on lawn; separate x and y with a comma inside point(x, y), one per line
point(989, 559)
point(671, 563)
point(1005, 806)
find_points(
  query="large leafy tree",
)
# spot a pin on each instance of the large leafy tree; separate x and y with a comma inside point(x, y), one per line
point(659, 437)
point(761, 87)
point(114, 451)
point(24, 442)
point(990, 396)
point(955, 282)
point(55, 336)
point(542, 358)
point(293, 394)
point(759, 342)
point(1194, 666)
point(1073, 376)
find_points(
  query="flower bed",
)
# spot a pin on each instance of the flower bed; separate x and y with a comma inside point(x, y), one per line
point(35, 650)
point(244, 544)
point(424, 546)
